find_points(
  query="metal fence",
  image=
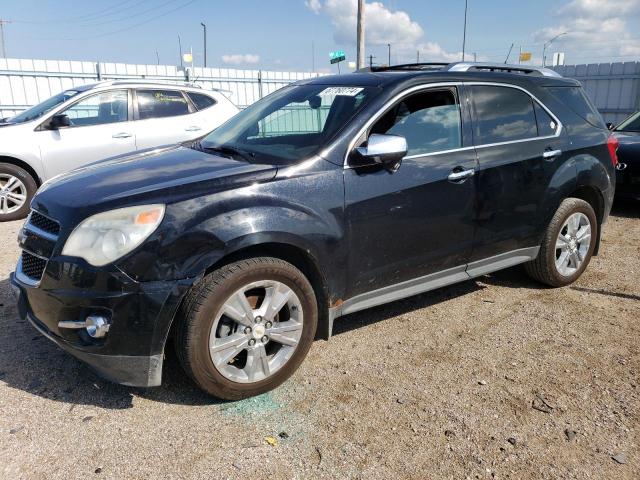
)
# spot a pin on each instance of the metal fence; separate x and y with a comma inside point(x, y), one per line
point(613, 87)
point(25, 82)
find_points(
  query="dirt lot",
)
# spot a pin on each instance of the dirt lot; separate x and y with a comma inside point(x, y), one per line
point(496, 377)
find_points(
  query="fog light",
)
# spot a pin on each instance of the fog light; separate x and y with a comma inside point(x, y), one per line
point(97, 327)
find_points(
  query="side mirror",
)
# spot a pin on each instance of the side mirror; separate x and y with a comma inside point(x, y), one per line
point(387, 150)
point(610, 126)
point(59, 121)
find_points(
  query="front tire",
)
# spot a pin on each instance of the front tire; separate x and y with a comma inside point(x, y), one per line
point(246, 327)
point(17, 188)
point(567, 246)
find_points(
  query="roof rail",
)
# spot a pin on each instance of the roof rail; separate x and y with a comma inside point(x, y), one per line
point(501, 67)
point(406, 66)
point(121, 81)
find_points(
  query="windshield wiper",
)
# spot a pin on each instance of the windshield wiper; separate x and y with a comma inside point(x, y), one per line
point(228, 150)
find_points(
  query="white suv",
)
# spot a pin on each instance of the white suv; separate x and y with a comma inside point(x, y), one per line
point(93, 122)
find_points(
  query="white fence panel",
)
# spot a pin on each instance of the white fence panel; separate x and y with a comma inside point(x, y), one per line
point(25, 82)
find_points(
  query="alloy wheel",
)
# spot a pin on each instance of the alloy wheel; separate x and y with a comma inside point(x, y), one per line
point(572, 244)
point(256, 331)
point(13, 194)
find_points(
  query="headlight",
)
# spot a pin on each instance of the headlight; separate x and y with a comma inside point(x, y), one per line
point(105, 237)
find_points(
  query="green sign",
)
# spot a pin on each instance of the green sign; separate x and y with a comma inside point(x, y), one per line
point(337, 57)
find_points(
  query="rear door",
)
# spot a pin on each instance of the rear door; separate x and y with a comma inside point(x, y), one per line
point(100, 128)
point(417, 220)
point(164, 117)
point(520, 146)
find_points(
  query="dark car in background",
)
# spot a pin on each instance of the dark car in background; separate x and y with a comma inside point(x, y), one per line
point(329, 196)
point(628, 170)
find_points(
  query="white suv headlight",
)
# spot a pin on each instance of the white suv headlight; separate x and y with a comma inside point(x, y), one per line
point(105, 237)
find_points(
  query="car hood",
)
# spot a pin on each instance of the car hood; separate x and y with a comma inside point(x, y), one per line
point(165, 175)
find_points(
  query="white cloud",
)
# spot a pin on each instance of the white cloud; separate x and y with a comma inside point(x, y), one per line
point(239, 59)
point(595, 27)
point(314, 5)
point(382, 26)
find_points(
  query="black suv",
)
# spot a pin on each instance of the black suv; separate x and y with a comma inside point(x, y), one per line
point(328, 196)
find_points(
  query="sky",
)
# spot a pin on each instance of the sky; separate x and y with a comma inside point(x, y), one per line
point(298, 35)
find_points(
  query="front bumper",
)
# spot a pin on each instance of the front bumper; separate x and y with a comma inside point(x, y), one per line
point(140, 315)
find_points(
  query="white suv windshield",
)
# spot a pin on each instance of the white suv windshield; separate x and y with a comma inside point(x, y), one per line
point(40, 109)
point(290, 124)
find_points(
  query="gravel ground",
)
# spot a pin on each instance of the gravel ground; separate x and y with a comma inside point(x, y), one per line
point(495, 377)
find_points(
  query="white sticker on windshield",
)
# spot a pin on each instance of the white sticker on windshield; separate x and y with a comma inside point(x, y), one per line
point(345, 91)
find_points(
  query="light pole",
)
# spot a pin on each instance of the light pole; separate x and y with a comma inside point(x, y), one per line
point(464, 30)
point(204, 27)
point(360, 35)
point(389, 45)
point(547, 45)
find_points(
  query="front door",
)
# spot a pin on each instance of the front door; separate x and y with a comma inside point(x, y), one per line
point(418, 220)
point(100, 128)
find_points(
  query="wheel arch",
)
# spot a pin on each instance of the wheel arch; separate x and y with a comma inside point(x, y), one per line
point(300, 258)
point(24, 165)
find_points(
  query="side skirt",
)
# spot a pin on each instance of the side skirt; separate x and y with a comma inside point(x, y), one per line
point(429, 282)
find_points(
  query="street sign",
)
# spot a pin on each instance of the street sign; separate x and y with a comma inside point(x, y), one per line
point(525, 56)
point(337, 57)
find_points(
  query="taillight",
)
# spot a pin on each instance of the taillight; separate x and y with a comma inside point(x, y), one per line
point(612, 145)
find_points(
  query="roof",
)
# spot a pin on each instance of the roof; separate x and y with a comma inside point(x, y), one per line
point(136, 82)
point(443, 72)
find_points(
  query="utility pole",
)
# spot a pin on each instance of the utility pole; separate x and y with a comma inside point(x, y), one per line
point(4, 45)
point(371, 57)
point(313, 57)
point(520, 56)
point(418, 56)
point(464, 31)
point(389, 45)
point(180, 49)
point(205, 43)
point(157, 57)
point(360, 35)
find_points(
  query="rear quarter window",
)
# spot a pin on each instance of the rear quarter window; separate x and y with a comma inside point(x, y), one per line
point(201, 101)
point(575, 99)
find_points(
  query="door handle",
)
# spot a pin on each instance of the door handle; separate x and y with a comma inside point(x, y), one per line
point(461, 175)
point(549, 154)
point(193, 128)
point(121, 135)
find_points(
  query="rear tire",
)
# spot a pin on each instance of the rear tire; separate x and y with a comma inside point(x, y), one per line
point(234, 339)
point(17, 188)
point(567, 246)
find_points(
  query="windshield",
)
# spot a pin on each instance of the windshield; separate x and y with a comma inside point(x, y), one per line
point(631, 124)
point(40, 109)
point(290, 124)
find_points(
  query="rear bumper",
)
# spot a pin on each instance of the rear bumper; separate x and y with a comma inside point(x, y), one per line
point(140, 315)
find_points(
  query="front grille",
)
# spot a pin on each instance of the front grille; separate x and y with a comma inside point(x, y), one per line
point(44, 223)
point(32, 266)
point(38, 243)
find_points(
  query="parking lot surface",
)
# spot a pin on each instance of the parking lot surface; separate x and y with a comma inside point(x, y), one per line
point(497, 377)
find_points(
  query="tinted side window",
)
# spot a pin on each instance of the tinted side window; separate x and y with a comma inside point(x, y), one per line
point(100, 109)
point(200, 100)
point(502, 114)
point(161, 103)
point(547, 126)
point(429, 121)
point(576, 100)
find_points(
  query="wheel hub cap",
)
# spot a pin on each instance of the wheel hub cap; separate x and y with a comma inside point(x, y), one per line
point(256, 331)
point(572, 244)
